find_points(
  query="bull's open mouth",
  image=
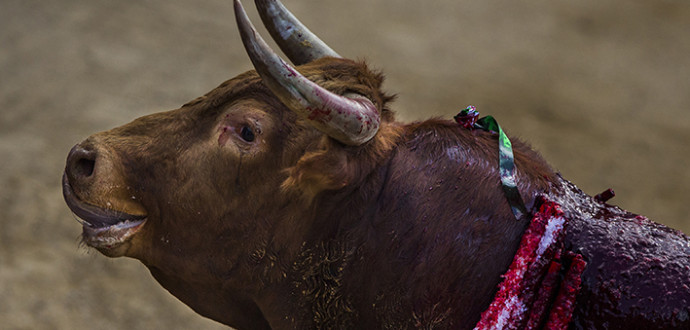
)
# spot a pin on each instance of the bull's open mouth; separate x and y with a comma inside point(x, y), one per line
point(102, 228)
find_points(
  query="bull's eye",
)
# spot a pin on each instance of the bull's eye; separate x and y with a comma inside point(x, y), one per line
point(247, 134)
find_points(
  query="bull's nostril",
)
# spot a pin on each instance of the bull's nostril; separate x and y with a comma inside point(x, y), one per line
point(84, 167)
point(81, 162)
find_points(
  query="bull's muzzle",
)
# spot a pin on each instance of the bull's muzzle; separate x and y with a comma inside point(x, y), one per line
point(96, 193)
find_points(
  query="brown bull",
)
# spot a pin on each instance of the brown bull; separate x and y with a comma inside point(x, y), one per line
point(291, 198)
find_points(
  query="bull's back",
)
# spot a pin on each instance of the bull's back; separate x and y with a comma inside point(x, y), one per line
point(638, 271)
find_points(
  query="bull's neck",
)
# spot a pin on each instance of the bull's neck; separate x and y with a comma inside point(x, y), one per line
point(435, 196)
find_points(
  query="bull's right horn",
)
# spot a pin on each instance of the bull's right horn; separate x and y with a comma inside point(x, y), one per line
point(294, 39)
point(350, 120)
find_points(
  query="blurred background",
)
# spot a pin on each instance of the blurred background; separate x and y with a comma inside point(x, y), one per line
point(600, 88)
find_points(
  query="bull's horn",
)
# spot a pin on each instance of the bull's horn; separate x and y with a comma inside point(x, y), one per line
point(297, 42)
point(352, 121)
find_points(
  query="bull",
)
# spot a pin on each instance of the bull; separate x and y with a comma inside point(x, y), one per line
point(290, 197)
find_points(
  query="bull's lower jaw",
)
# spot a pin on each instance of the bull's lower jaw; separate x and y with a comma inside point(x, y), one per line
point(107, 230)
point(112, 241)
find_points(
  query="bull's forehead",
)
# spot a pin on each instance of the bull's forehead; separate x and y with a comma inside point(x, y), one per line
point(337, 75)
point(244, 84)
point(196, 118)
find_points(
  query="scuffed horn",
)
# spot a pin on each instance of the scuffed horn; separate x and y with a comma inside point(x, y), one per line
point(294, 39)
point(350, 120)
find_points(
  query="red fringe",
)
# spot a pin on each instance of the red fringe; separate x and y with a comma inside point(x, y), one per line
point(527, 296)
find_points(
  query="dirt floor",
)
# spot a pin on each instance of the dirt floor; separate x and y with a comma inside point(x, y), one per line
point(601, 88)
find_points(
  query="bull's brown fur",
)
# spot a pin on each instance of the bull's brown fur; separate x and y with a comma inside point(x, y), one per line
point(295, 230)
point(228, 235)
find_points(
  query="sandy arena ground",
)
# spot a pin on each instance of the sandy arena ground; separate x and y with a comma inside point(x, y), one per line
point(601, 88)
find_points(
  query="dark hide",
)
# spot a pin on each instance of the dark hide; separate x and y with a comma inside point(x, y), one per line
point(638, 271)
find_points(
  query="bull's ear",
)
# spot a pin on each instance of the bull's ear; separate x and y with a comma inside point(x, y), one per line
point(334, 166)
point(323, 169)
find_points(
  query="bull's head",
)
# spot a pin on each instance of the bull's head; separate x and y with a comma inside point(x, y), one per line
point(193, 192)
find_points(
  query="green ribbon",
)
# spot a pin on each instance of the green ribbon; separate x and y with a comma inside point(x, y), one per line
point(506, 163)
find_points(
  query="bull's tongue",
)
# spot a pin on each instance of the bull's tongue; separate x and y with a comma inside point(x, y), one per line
point(94, 216)
point(107, 218)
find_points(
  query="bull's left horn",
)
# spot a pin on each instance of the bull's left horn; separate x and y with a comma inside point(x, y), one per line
point(350, 120)
point(294, 39)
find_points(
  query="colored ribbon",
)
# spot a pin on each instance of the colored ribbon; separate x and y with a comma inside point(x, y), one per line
point(468, 119)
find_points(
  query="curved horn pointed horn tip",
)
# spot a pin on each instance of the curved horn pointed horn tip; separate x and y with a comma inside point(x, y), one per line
point(352, 121)
point(294, 38)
